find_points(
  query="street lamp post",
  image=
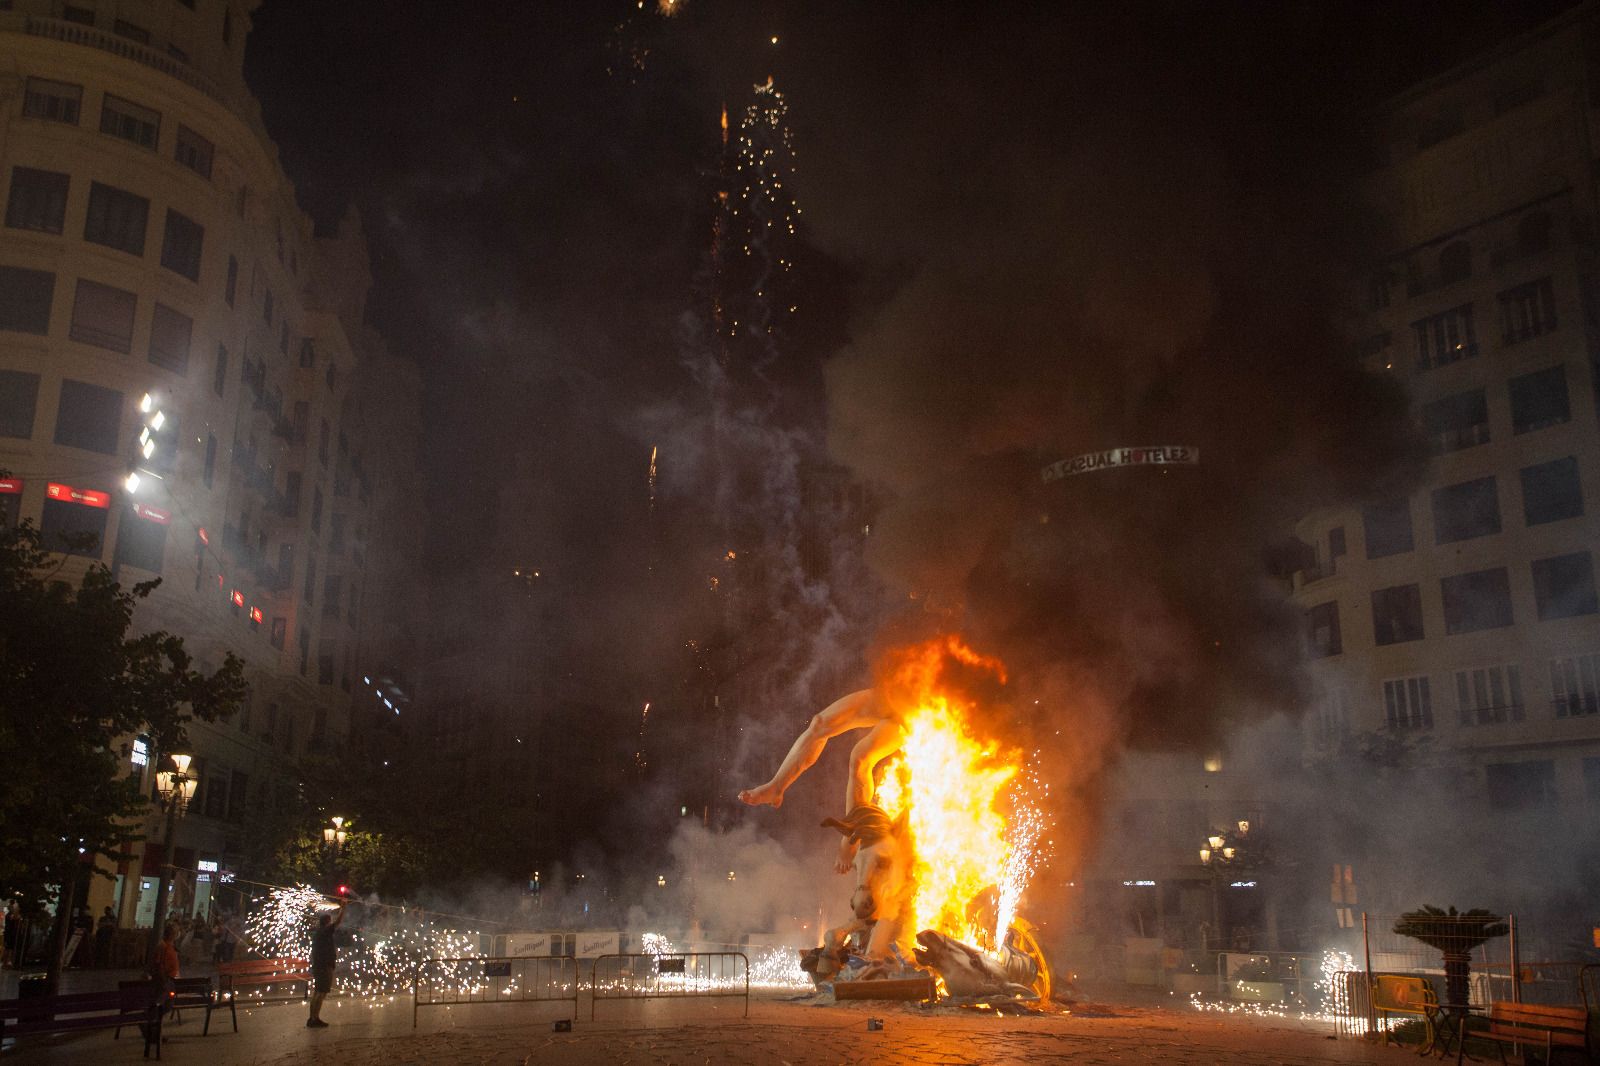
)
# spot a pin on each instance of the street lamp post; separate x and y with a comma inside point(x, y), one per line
point(176, 788)
point(333, 838)
point(1222, 851)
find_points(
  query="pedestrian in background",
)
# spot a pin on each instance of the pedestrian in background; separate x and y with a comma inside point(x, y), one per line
point(105, 937)
point(12, 955)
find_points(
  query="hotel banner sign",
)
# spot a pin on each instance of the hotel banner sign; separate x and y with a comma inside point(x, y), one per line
point(1143, 455)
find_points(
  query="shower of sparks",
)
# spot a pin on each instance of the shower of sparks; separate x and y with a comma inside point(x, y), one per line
point(1331, 992)
point(644, 720)
point(1027, 841)
point(775, 969)
point(380, 959)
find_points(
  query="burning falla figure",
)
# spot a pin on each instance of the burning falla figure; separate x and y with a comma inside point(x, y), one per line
point(874, 845)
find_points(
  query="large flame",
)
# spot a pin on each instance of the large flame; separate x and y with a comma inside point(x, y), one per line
point(957, 785)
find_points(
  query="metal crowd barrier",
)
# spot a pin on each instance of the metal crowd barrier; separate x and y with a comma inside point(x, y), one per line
point(518, 979)
point(681, 975)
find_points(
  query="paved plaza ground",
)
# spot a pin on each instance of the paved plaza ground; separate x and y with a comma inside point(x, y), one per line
point(364, 1033)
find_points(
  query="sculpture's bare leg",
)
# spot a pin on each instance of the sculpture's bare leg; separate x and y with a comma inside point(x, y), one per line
point(855, 711)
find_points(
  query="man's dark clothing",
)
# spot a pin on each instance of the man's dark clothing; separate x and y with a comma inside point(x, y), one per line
point(324, 955)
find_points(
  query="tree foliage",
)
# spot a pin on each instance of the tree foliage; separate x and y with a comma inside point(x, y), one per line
point(74, 685)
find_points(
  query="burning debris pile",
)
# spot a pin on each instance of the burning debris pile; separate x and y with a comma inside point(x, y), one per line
point(943, 831)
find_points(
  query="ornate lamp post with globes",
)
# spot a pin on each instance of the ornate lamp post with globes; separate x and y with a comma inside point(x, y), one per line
point(175, 787)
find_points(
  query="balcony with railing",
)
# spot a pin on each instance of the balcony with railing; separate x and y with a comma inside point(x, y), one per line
point(92, 37)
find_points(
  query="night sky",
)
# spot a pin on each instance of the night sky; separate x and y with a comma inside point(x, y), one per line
point(1032, 229)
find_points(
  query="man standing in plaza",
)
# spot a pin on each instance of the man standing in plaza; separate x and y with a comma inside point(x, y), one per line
point(324, 957)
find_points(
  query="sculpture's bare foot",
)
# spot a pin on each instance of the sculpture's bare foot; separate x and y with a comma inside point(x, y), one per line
point(847, 857)
point(762, 794)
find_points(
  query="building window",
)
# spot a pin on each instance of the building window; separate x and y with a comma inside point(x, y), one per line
point(1461, 512)
point(291, 494)
point(238, 796)
point(325, 657)
point(194, 151)
point(219, 379)
point(1575, 686)
point(1563, 586)
point(302, 421)
point(1490, 695)
point(25, 299)
point(308, 354)
point(1591, 777)
point(266, 308)
point(322, 444)
point(1336, 544)
point(211, 459)
point(232, 287)
point(133, 33)
point(89, 417)
point(285, 564)
point(1397, 614)
point(170, 333)
point(1475, 601)
point(1388, 528)
point(38, 200)
point(311, 586)
point(1322, 630)
point(116, 219)
point(1378, 290)
point(180, 248)
point(333, 381)
point(103, 316)
point(1539, 400)
point(1527, 311)
point(283, 339)
point(56, 101)
point(1551, 491)
point(316, 510)
point(19, 396)
point(129, 121)
point(332, 595)
point(280, 632)
point(1456, 422)
point(1445, 338)
point(1407, 703)
point(71, 527)
point(141, 541)
point(1455, 263)
point(1518, 785)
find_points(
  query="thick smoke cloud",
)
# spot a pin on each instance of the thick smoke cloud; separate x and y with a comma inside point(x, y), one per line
point(1120, 260)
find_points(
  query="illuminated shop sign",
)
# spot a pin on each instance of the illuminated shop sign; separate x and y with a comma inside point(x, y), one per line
point(153, 514)
point(255, 615)
point(68, 494)
point(208, 866)
point(10, 486)
point(238, 598)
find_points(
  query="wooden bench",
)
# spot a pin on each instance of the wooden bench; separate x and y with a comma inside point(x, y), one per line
point(195, 992)
point(1533, 1025)
point(1400, 994)
point(81, 1011)
point(235, 977)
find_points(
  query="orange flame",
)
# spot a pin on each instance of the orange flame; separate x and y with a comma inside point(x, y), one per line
point(953, 782)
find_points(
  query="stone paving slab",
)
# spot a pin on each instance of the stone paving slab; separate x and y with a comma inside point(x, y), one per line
point(776, 1034)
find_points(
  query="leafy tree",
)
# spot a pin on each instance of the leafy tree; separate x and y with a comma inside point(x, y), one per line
point(1455, 934)
point(73, 685)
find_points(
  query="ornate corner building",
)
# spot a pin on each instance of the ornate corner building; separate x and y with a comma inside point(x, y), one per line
point(153, 259)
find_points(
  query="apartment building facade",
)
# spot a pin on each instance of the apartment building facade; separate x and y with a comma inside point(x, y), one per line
point(1465, 610)
point(153, 259)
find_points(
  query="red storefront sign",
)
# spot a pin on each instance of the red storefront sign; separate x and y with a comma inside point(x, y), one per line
point(255, 615)
point(10, 486)
point(204, 539)
point(238, 598)
point(68, 494)
point(154, 514)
